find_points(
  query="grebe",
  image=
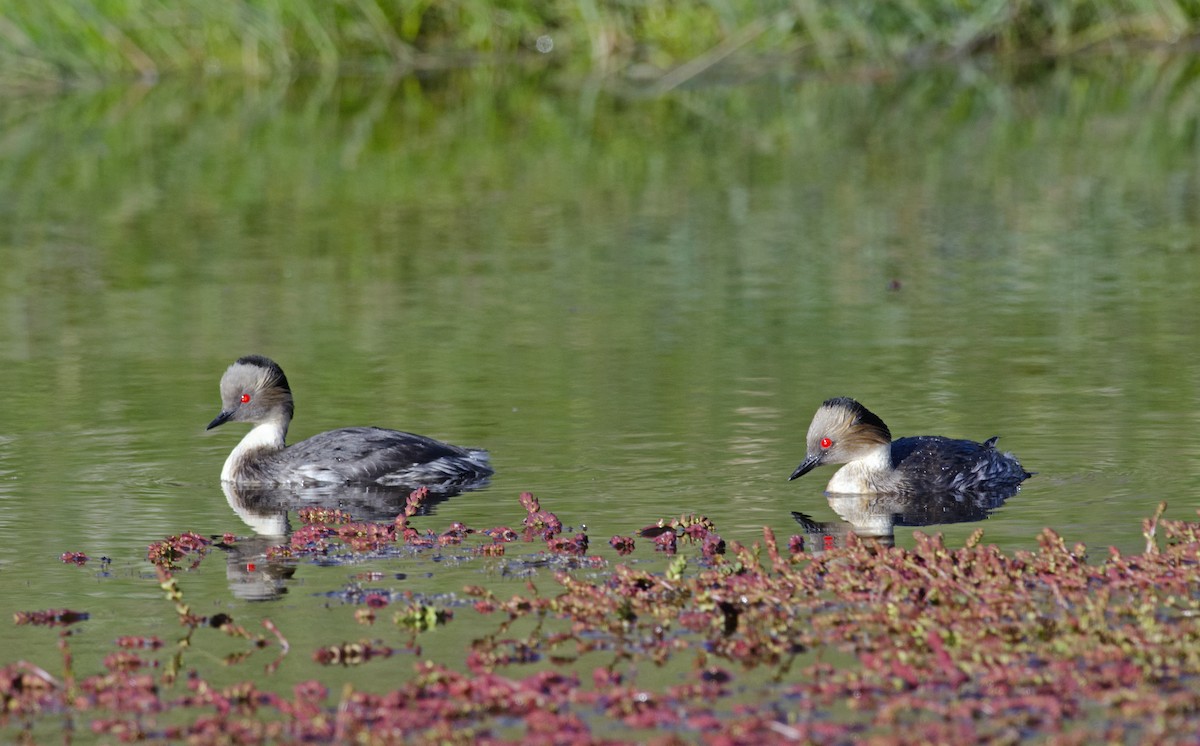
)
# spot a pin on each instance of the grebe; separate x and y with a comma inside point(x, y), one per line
point(845, 432)
point(255, 390)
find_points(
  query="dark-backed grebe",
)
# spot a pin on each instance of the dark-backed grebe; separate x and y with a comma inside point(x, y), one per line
point(845, 432)
point(255, 390)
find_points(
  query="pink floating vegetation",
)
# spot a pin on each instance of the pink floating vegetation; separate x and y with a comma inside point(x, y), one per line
point(455, 534)
point(350, 653)
point(50, 617)
point(691, 528)
point(577, 544)
point(367, 537)
point(768, 643)
point(134, 643)
point(312, 538)
point(542, 524)
point(666, 541)
point(166, 552)
point(501, 533)
point(74, 558)
point(623, 544)
point(376, 600)
point(416, 499)
point(324, 516)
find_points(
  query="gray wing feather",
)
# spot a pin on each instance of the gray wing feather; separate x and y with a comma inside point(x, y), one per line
point(374, 454)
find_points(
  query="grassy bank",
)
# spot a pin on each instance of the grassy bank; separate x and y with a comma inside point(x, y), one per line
point(86, 41)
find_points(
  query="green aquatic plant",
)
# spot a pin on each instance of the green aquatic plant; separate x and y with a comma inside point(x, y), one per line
point(421, 618)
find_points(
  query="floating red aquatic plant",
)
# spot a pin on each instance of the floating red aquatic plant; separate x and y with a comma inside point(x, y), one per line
point(134, 643)
point(280, 553)
point(419, 540)
point(623, 544)
point(311, 538)
point(366, 537)
point(164, 553)
point(529, 502)
point(324, 516)
point(125, 661)
point(666, 542)
point(689, 527)
point(415, 500)
point(501, 534)
point(376, 600)
point(931, 643)
point(577, 544)
point(50, 618)
point(542, 524)
point(350, 653)
point(796, 545)
point(74, 558)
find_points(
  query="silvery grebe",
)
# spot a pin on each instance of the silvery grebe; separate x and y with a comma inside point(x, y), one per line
point(845, 432)
point(255, 390)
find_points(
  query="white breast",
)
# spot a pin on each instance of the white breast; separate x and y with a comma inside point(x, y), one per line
point(869, 474)
point(268, 435)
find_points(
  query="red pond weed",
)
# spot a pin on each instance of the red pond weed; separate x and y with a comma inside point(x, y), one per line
point(862, 642)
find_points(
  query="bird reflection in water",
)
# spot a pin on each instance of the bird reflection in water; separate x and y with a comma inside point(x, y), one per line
point(253, 575)
point(874, 517)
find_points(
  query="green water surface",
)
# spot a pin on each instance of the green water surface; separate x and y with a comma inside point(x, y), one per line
point(635, 303)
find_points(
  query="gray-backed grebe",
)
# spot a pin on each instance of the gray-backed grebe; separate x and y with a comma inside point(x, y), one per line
point(845, 432)
point(255, 390)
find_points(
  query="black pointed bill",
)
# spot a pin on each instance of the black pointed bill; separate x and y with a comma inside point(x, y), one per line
point(807, 465)
point(221, 419)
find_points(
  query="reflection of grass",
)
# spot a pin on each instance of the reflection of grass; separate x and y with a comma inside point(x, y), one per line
point(451, 210)
point(48, 41)
point(767, 643)
point(419, 156)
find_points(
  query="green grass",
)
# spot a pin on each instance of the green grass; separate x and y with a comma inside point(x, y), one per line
point(79, 40)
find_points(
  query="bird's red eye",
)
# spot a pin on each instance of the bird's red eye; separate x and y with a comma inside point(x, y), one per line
point(826, 442)
point(245, 398)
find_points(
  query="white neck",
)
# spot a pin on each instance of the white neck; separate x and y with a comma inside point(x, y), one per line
point(267, 435)
point(871, 473)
